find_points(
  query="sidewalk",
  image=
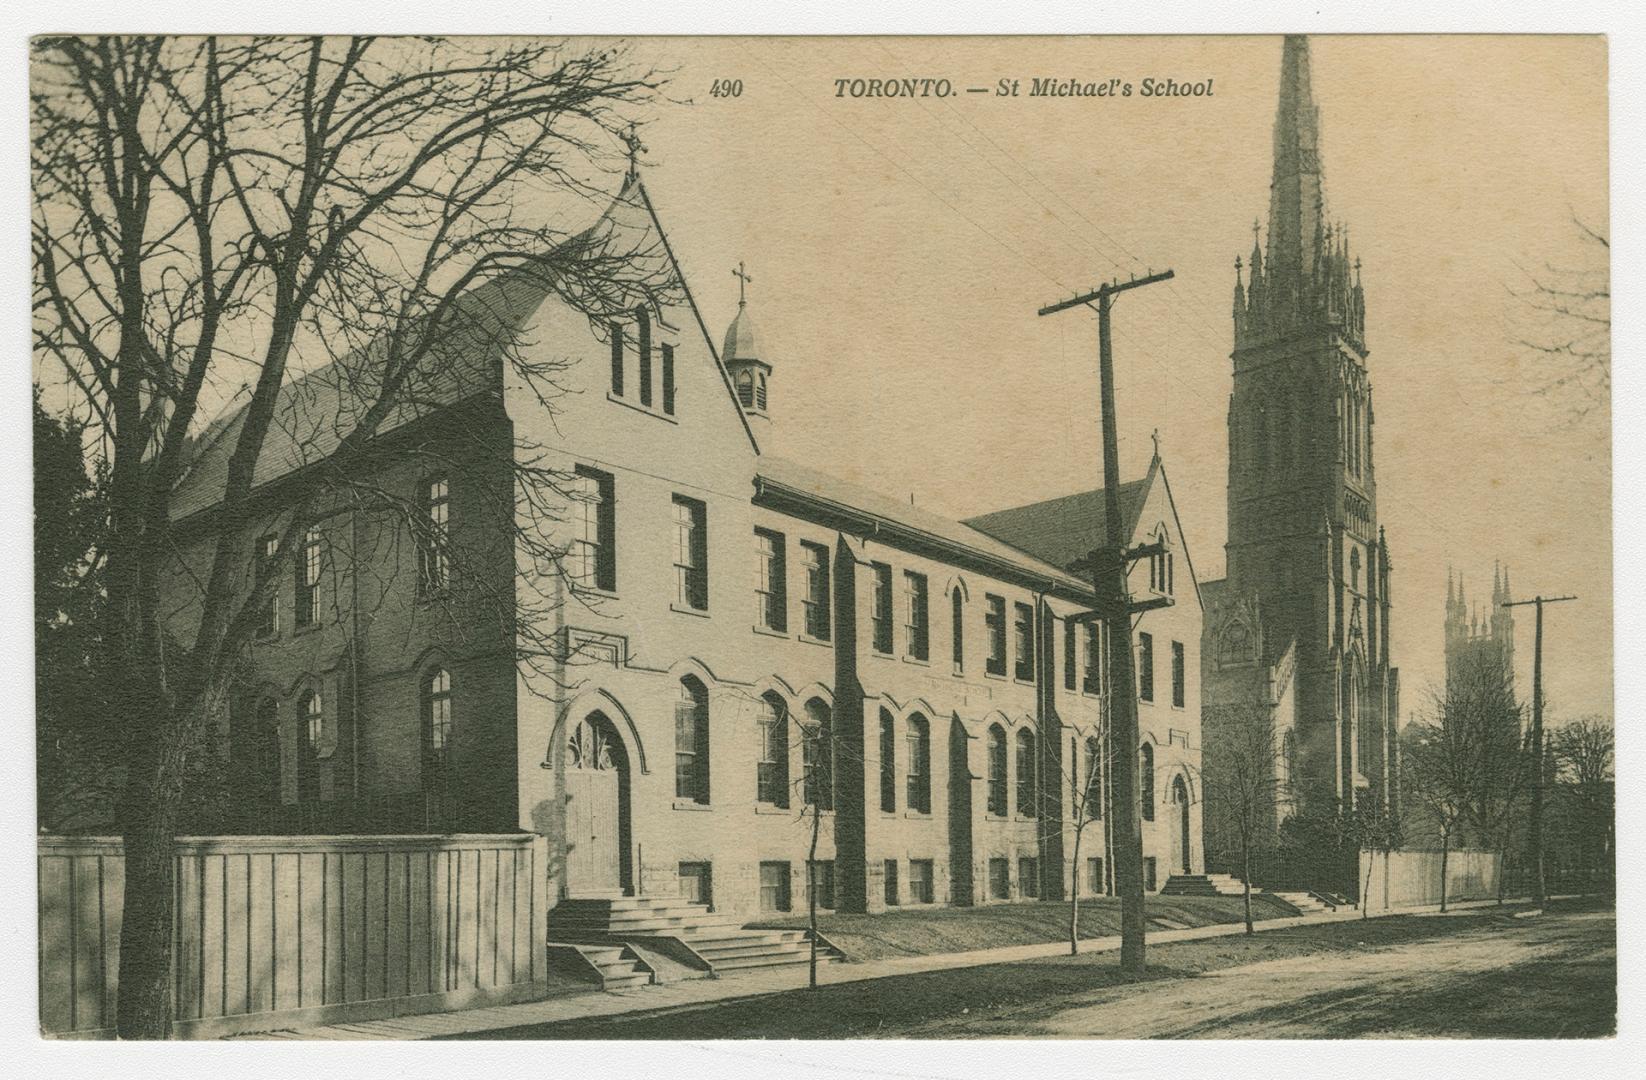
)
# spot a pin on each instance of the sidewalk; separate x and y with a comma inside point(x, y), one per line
point(594, 1002)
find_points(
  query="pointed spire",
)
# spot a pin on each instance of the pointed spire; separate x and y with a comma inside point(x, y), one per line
point(1497, 581)
point(1451, 592)
point(1296, 195)
point(1507, 595)
point(1239, 295)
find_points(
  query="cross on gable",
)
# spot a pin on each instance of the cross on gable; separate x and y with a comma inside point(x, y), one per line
point(743, 279)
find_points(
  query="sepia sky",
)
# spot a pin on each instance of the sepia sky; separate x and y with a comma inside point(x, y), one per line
point(901, 247)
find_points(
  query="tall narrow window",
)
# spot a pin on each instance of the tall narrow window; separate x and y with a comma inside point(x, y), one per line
point(1093, 681)
point(668, 379)
point(920, 764)
point(308, 579)
point(772, 770)
point(917, 625)
point(771, 599)
point(691, 553)
point(997, 770)
point(817, 755)
point(1179, 675)
point(615, 330)
point(1024, 625)
point(957, 630)
point(1145, 666)
point(745, 388)
point(880, 616)
point(1028, 769)
point(1068, 655)
point(311, 717)
point(437, 730)
point(760, 392)
point(888, 763)
point(691, 742)
point(994, 620)
point(643, 352)
point(434, 552)
point(816, 603)
point(1094, 778)
point(594, 514)
point(1145, 780)
point(268, 621)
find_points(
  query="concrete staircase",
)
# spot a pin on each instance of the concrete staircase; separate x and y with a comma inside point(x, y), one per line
point(715, 944)
point(1204, 885)
point(1305, 902)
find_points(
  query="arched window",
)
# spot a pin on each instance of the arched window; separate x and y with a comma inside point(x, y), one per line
point(772, 771)
point(1288, 759)
point(997, 770)
point(1027, 772)
point(920, 764)
point(957, 629)
point(817, 755)
point(888, 762)
point(1354, 569)
point(437, 730)
point(691, 742)
point(311, 718)
point(1145, 786)
point(1094, 778)
point(745, 388)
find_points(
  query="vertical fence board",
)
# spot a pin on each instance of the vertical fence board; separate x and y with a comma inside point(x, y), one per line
point(468, 900)
point(311, 929)
point(332, 920)
point(417, 948)
point(186, 950)
point(540, 907)
point(56, 946)
point(236, 941)
point(259, 933)
point(396, 926)
point(374, 926)
point(354, 912)
point(287, 942)
point(440, 889)
point(114, 897)
point(520, 953)
point(88, 944)
point(213, 919)
point(485, 942)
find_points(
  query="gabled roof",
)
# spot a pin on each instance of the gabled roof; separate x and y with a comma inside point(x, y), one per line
point(317, 410)
point(809, 489)
point(1067, 528)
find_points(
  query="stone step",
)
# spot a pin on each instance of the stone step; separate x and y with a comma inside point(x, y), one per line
point(741, 963)
point(730, 950)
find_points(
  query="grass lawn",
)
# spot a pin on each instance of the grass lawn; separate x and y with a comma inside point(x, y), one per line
point(927, 931)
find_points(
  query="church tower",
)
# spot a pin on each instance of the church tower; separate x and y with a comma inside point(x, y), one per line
point(1472, 633)
point(1304, 540)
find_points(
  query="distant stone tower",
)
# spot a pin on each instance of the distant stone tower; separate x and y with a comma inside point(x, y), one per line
point(1304, 545)
point(1477, 633)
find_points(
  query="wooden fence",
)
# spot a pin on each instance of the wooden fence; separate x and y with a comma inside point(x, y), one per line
point(273, 931)
point(1412, 878)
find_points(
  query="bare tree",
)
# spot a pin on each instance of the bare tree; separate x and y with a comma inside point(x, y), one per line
point(213, 214)
point(1243, 775)
point(1465, 765)
point(1583, 753)
point(1567, 326)
point(1084, 770)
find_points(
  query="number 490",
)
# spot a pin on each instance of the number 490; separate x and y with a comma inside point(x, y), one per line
point(726, 88)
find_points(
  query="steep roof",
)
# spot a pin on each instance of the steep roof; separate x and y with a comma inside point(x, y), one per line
point(821, 490)
point(1062, 530)
point(317, 410)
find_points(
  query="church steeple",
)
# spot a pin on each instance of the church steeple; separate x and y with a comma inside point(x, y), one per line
point(1307, 276)
point(741, 355)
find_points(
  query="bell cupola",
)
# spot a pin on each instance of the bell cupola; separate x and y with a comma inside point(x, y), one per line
point(741, 355)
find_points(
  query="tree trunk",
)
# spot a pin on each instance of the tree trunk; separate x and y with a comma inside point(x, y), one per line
point(1074, 889)
point(811, 899)
point(1366, 890)
point(1246, 875)
point(1445, 845)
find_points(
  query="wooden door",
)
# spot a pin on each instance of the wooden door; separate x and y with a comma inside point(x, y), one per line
point(593, 841)
point(1181, 794)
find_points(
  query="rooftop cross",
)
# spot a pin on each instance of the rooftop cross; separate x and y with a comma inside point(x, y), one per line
point(743, 279)
point(1155, 435)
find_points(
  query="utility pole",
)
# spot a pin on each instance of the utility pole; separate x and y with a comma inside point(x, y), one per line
point(1539, 893)
point(1108, 565)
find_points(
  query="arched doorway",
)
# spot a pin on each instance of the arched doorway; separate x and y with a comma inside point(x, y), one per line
point(1180, 797)
point(597, 809)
